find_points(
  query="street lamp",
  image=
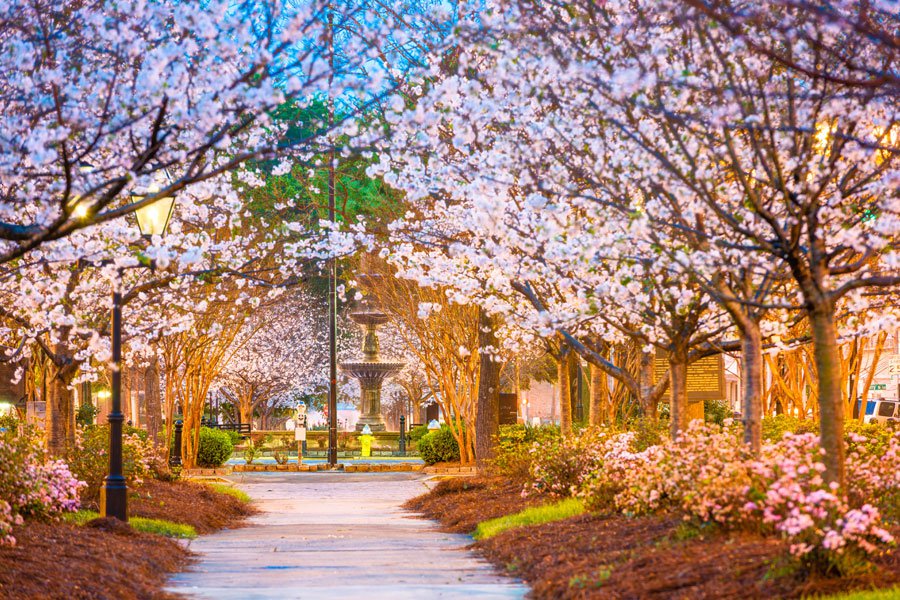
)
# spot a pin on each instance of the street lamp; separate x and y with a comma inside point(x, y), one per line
point(152, 220)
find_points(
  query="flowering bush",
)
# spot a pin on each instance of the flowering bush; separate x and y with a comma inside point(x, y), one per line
point(561, 465)
point(89, 460)
point(709, 476)
point(704, 474)
point(31, 485)
point(874, 463)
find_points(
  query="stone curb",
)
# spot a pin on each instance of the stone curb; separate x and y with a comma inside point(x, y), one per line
point(450, 470)
point(218, 472)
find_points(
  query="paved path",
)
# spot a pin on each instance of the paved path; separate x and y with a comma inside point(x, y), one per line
point(338, 535)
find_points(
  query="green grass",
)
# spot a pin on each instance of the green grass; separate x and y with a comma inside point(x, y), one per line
point(888, 594)
point(530, 516)
point(230, 490)
point(157, 526)
point(80, 518)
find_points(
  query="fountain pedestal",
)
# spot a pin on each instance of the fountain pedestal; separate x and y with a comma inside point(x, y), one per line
point(371, 370)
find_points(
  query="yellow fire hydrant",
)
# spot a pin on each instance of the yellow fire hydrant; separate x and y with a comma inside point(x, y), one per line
point(365, 441)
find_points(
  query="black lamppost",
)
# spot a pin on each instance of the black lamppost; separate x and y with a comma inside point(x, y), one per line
point(332, 274)
point(152, 219)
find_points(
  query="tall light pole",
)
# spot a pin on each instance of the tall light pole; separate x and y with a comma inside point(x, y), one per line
point(332, 270)
point(152, 220)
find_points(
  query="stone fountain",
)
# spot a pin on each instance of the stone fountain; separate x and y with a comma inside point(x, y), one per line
point(372, 370)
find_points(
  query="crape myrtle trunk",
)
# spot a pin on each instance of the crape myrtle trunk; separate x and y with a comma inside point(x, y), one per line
point(564, 383)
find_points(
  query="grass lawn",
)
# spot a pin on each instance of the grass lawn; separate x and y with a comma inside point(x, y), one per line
point(890, 594)
point(229, 490)
point(157, 526)
point(534, 515)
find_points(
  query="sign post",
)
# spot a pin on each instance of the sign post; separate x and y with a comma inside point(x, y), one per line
point(705, 380)
point(300, 431)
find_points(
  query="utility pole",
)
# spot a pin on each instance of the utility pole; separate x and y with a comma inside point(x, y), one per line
point(332, 269)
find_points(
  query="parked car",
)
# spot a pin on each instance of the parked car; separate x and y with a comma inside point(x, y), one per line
point(882, 411)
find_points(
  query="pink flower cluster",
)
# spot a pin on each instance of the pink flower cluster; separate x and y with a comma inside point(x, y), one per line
point(31, 485)
point(709, 476)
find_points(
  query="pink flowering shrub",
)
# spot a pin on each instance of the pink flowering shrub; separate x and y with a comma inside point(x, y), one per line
point(791, 497)
point(709, 476)
point(89, 460)
point(559, 466)
point(31, 485)
point(703, 474)
point(874, 467)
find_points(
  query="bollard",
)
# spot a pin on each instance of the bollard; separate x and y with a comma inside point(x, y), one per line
point(175, 459)
point(402, 435)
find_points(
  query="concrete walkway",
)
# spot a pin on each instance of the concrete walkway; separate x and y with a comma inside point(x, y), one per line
point(338, 535)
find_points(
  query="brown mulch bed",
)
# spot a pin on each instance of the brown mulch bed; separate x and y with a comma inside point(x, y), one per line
point(58, 560)
point(106, 558)
point(460, 503)
point(592, 556)
point(186, 502)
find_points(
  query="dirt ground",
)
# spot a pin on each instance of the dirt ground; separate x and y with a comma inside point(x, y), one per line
point(107, 559)
point(617, 557)
point(461, 503)
point(58, 560)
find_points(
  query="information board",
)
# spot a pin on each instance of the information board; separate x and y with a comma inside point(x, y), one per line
point(509, 409)
point(705, 377)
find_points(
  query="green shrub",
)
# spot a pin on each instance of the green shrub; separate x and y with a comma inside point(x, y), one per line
point(252, 451)
point(774, 427)
point(876, 434)
point(215, 447)
point(9, 422)
point(439, 446)
point(86, 414)
point(235, 437)
point(514, 442)
point(716, 411)
point(416, 433)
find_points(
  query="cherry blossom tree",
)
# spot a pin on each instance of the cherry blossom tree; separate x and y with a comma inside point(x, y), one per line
point(687, 151)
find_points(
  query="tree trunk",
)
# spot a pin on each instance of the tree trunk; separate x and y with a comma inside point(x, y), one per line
point(152, 399)
point(678, 388)
point(487, 411)
point(751, 386)
point(598, 406)
point(575, 382)
point(564, 383)
point(245, 407)
point(831, 406)
point(648, 406)
point(60, 411)
point(60, 399)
